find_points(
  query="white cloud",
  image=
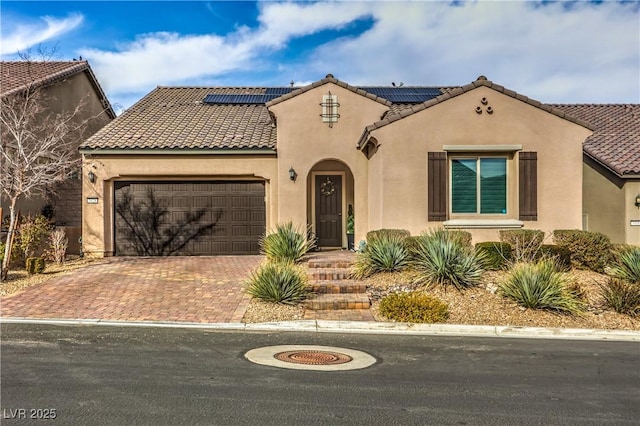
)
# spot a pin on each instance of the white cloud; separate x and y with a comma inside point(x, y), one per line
point(23, 36)
point(583, 52)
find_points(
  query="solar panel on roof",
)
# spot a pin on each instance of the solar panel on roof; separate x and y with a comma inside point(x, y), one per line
point(238, 99)
point(279, 90)
point(402, 95)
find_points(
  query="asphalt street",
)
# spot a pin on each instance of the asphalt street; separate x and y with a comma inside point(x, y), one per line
point(115, 375)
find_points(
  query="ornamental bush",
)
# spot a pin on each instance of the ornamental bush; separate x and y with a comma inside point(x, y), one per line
point(525, 243)
point(386, 252)
point(540, 286)
point(442, 258)
point(35, 265)
point(589, 250)
point(559, 254)
point(378, 233)
point(286, 243)
point(626, 265)
point(497, 254)
point(279, 282)
point(415, 307)
point(622, 296)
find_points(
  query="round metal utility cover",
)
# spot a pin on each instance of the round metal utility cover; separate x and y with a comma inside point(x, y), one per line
point(306, 357)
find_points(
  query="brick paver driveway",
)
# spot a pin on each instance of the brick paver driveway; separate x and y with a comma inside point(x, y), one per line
point(193, 289)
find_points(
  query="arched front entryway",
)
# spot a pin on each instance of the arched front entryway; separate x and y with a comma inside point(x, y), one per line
point(331, 199)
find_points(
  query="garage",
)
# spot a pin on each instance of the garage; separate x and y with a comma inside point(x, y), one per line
point(162, 218)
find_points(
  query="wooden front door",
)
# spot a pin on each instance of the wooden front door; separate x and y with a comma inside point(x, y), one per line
point(328, 190)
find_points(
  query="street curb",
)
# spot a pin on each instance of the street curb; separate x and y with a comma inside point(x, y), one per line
point(365, 327)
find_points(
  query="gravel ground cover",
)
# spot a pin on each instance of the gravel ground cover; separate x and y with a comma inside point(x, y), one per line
point(478, 306)
point(18, 279)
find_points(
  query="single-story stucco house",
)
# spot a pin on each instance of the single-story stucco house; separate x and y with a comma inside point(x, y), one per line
point(478, 157)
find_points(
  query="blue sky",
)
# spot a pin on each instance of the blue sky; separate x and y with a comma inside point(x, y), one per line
point(556, 52)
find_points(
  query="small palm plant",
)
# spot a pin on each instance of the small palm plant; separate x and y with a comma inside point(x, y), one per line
point(444, 258)
point(286, 243)
point(540, 286)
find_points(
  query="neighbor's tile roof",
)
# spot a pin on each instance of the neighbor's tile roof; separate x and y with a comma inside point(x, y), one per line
point(615, 142)
point(16, 76)
point(176, 118)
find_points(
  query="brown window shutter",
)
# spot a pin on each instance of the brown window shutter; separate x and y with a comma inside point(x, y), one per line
point(437, 186)
point(528, 186)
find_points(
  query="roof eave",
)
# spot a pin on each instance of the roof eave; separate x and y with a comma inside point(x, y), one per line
point(175, 151)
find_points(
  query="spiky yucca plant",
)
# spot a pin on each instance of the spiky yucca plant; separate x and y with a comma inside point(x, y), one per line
point(627, 266)
point(540, 286)
point(385, 253)
point(444, 258)
point(278, 282)
point(286, 243)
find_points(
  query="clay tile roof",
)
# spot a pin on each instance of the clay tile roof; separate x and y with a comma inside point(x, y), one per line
point(452, 92)
point(615, 142)
point(176, 118)
point(16, 76)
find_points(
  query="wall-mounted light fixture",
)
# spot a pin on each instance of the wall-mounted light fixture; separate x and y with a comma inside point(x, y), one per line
point(292, 174)
point(638, 201)
point(92, 177)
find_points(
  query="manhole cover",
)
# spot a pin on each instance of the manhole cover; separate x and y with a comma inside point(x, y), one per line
point(313, 357)
point(307, 357)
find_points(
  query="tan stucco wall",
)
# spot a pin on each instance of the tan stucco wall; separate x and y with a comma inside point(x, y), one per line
point(398, 172)
point(98, 218)
point(603, 204)
point(632, 190)
point(305, 140)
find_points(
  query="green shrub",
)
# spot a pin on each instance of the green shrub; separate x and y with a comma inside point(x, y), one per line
point(31, 235)
point(286, 243)
point(463, 237)
point(525, 243)
point(35, 265)
point(400, 233)
point(540, 286)
point(560, 255)
point(385, 253)
point(279, 282)
point(622, 296)
point(2, 249)
point(415, 307)
point(497, 255)
point(589, 250)
point(626, 265)
point(442, 258)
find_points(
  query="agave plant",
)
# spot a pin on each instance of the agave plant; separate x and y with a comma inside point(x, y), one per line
point(286, 243)
point(385, 253)
point(627, 266)
point(444, 258)
point(540, 286)
point(278, 282)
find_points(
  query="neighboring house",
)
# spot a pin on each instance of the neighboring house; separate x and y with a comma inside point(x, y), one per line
point(64, 85)
point(611, 171)
point(479, 157)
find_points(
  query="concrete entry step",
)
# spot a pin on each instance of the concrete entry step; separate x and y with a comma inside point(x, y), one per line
point(329, 274)
point(338, 287)
point(338, 301)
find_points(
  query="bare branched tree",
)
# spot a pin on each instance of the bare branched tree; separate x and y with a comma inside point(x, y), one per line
point(38, 147)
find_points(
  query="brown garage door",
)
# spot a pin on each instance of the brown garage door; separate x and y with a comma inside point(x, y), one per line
point(188, 218)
